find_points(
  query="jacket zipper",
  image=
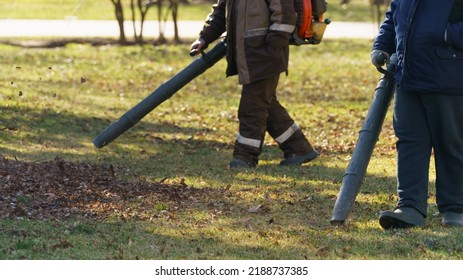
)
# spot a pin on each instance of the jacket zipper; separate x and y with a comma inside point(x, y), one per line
point(407, 33)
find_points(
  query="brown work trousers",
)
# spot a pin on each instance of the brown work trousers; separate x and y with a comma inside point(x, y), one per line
point(260, 112)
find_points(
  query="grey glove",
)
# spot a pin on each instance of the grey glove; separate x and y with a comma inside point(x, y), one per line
point(379, 58)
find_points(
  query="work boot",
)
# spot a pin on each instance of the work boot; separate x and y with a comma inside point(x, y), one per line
point(405, 217)
point(299, 159)
point(452, 219)
point(237, 163)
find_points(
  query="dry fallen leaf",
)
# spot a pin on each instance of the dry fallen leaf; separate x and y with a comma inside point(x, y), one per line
point(255, 209)
point(61, 188)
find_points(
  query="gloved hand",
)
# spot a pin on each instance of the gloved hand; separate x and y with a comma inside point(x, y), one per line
point(379, 58)
point(197, 47)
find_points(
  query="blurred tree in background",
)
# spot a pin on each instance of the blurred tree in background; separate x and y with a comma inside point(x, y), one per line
point(168, 10)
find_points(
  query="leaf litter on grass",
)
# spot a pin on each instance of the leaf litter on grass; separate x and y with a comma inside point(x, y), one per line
point(60, 189)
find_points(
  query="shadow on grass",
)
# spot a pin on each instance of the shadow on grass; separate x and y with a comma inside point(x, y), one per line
point(58, 134)
point(63, 131)
point(180, 220)
point(95, 42)
point(275, 204)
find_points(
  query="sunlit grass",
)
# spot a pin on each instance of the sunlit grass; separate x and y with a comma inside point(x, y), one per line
point(357, 10)
point(54, 102)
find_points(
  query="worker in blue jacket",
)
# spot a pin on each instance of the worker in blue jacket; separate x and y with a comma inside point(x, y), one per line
point(427, 36)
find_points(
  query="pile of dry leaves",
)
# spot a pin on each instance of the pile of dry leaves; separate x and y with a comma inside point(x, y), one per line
point(60, 189)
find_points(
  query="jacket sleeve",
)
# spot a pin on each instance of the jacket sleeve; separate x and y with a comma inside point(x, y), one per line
point(454, 35)
point(282, 22)
point(215, 24)
point(385, 41)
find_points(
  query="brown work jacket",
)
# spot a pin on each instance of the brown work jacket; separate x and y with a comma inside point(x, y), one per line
point(257, 35)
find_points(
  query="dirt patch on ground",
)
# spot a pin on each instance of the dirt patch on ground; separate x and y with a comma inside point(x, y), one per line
point(60, 189)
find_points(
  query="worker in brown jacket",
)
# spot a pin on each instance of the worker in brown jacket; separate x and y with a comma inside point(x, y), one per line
point(258, 33)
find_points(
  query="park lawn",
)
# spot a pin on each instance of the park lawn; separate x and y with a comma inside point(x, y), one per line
point(357, 10)
point(55, 101)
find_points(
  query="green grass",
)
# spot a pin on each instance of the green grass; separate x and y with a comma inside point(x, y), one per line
point(357, 10)
point(269, 212)
point(94, 9)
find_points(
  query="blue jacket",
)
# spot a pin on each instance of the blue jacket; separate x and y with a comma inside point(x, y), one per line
point(427, 36)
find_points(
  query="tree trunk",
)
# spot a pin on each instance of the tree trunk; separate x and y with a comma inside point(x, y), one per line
point(134, 23)
point(120, 19)
point(174, 6)
point(143, 7)
point(162, 38)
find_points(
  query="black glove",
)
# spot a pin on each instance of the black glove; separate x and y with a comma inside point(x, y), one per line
point(379, 58)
